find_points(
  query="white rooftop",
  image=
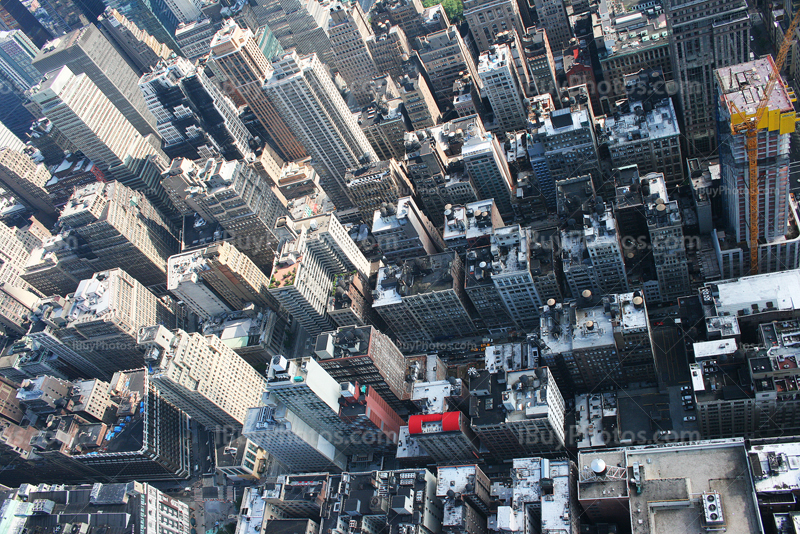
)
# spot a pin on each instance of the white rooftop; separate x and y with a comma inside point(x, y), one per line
point(640, 125)
point(779, 466)
point(781, 289)
point(710, 349)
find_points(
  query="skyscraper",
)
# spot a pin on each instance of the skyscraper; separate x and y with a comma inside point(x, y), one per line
point(16, 56)
point(486, 164)
point(202, 376)
point(734, 86)
point(15, 16)
point(80, 110)
point(349, 31)
point(305, 96)
point(445, 55)
point(238, 55)
point(216, 277)
point(553, 17)
point(105, 225)
point(88, 51)
point(503, 88)
point(141, 50)
point(102, 319)
point(487, 18)
point(704, 37)
point(152, 16)
point(20, 175)
point(194, 118)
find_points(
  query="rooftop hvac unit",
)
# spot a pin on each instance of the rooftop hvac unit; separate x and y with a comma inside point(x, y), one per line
point(712, 509)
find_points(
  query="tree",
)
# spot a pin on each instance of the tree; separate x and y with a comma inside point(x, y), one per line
point(453, 8)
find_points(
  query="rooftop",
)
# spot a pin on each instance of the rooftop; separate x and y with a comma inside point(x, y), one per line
point(750, 295)
point(775, 467)
point(711, 349)
point(415, 276)
point(743, 86)
point(645, 121)
point(494, 58)
point(566, 328)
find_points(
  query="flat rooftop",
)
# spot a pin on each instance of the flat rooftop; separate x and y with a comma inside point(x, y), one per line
point(776, 467)
point(711, 349)
point(640, 125)
point(778, 291)
point(673, 477)
point(743, 86)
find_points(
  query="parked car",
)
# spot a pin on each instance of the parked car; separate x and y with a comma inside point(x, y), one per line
point(689, 407)
point(687, 397)
point(690, 418)
point(686, 388)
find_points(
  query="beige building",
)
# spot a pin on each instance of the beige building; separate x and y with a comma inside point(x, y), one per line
point(487, 18)
point(80, 110)
point(348, 32)
point(374, 183)
point(445, 55)
point(105, 225)
point(202, 376)
point(102, 319)
point(238, 56)
point(20, 175)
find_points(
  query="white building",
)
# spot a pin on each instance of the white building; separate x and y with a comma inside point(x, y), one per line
point(503, 88)
point(486, 164)
point(307, 99)
point(201, 375)
point(404, 232)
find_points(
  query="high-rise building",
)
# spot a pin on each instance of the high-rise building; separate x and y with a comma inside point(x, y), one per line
point(15, 16)
point(553, 17)
point(503, 88)
point(436, 168)
point(387, 46)
point(323, 123)
point(27, 180)
point(407, 14)
point(665, 226)
point(444, 55)
point(447, 437)
point(541, 64)
point(404, 232)
point(487, 18)
point(104, 225)
point(148, 440)
point(88, 51)
point(351, 301)
point(485, 163)
point(242, 200)
point(16, 56)
point(137, 506)
point(418, 99)
point(302, 25)
point(327, 239)
point(238, 55)
point(290, 440)
point(80, 110)
point(349, 31)
point(185, 10)
point(16, 299)
point(533, 420)
point(366, 356)
point(201, 375)
point(195, 37)
point(377, 182)
point(703, 38)
point(256, 334)
point(735, 86)
point(315, 399)
point(9, 140)
point(424, 299)
point(217, 278)
point(569, 143)
point(141, 50)
point(194, 118)
point(620, 56)
point(152, 16)
point(653, 144)
point(102, 319)
point(384, 124)
point(301, 283)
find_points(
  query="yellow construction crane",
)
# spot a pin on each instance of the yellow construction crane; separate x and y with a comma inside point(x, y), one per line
point(749, 127)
